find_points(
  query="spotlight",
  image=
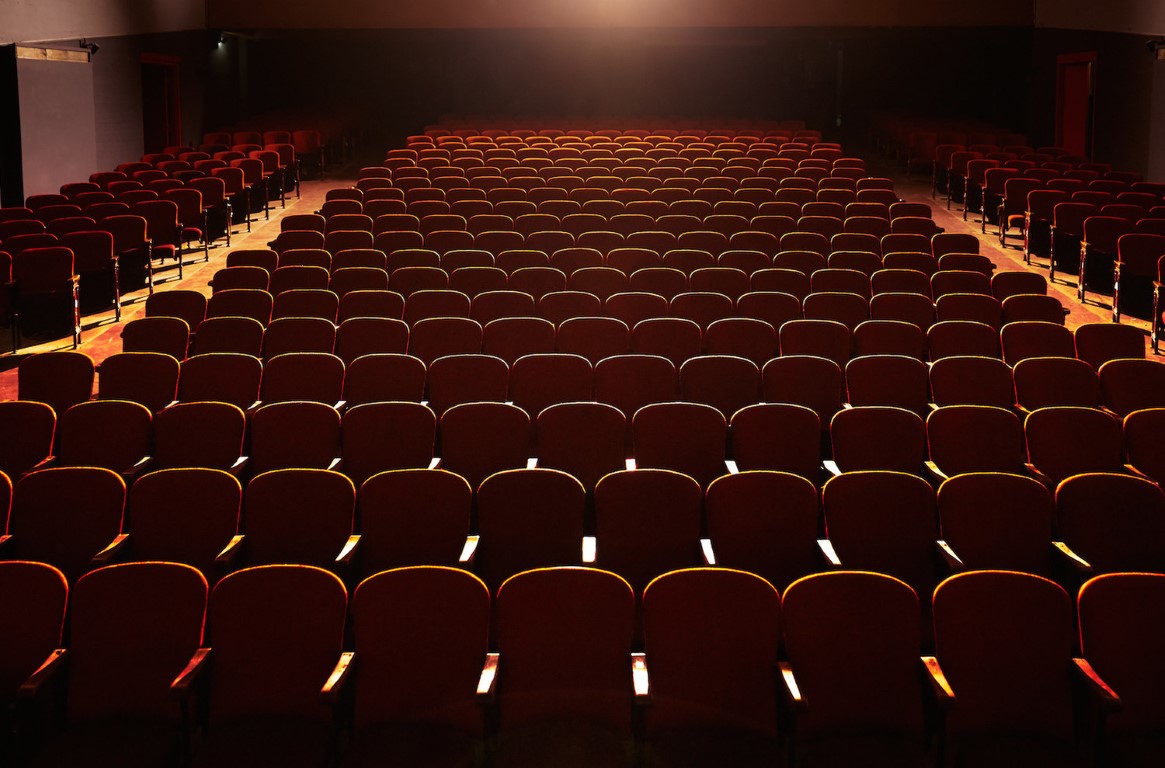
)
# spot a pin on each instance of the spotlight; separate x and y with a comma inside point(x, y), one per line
point(93, 48)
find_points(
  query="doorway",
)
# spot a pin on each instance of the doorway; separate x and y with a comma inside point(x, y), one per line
point(1075, 95)
point(161, 102)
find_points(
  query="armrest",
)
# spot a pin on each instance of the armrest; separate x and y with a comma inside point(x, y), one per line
point(792, 692)
point(237, 468)
point(1040, 476)
point(590, 550)
point(334, 686)
point(1075, 562)
point(230, 552)
point(139, 468)
point(349, 551)
point(639, 679)
point(829, 553)
point(487, 683)
point(629, 464)
point(940, 689)
point(953, 562)
point(435, 463)
point(105, 556)
point(48, 669)
point(1131, 470)
point(707, 552)
point(335, 463)
point(184, 683)
point(1105, 696)
point(831, 467)
point(730, 465)
point(532, 462)
point(44, 463)
point(469, 551)
point(935, 473)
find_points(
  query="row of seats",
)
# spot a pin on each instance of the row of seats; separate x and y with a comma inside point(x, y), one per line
point(637, 522)
point(600, 213)
point(761, 325)
point(554, 421)
point(273, 665)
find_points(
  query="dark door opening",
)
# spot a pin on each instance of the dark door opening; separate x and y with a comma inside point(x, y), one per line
point(1075, 80)
point(161, 102)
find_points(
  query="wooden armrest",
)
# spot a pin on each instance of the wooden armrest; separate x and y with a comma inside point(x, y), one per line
point(44, 463)
point(1074, 561)
point(953, 562)
point(944, 695)
point(829, 553)
point(1131, 470)
point(48, 669)
point(936, 473)
point(794, 700)
point(184, 683)
point(469, 550)
point(334, 686)
point(1105, 696)
point(139, 468)
point(590, 550)
point(349, 550)
point(487, 683)
point(230, 552)
point(707, 552)
point(831, 467)
point(639, 679)
point(1040, 476)
point(106, 555)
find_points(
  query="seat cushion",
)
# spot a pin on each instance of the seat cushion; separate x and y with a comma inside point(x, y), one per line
point(116, 743)
point(411, 745)
point(265, 742)
point(692, 747)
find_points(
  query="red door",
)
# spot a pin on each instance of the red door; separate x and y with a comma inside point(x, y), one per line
point(1075, 80)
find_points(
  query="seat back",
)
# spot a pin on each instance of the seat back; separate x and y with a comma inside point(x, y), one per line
point(564, 635)
point(691, 659)
point(277, 632)
point(133, 629)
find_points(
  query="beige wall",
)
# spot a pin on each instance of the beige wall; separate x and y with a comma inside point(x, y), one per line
point(517, 14)
point(26, 21)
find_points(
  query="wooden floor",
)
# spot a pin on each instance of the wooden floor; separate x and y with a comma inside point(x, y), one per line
point(101, 336)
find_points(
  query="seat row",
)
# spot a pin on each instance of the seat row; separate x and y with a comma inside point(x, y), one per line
point(834, 652)
point(587, 212)
point(874, 418)
point(758, 326)
point(638, 193)
point(638, 522)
